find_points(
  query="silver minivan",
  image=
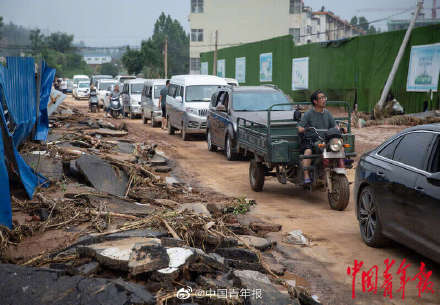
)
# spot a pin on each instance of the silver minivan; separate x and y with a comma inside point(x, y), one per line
point(131, 97)
point(150, 101)
point(188, 102)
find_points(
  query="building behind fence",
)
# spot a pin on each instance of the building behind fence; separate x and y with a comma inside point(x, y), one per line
point(353, 69)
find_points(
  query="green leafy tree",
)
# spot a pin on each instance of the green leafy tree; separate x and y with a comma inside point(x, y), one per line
point(152, 58)
point(354, 21)
point(60, 42)
point(363, 24)
point(133, 61)
point(37, 41)
point(109, 69)
point(1, 25)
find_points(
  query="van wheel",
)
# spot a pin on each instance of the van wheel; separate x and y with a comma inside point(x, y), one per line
point(184, 133)
point(153, 123)
point(144, 119)
point(170, 128)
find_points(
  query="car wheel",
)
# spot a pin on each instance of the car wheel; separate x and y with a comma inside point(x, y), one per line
point(230, 154)
point(256, 175)
point(369, 221)
point(170, 129)
point(184, 133)
point(211, 147)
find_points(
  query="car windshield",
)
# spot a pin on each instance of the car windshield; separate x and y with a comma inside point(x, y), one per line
point(105, 85)
point(201, 93)
point(77, 80)
point(83, 85)
point(123, 79)
point(137, 88)
point(259, 101)
point(157, 90)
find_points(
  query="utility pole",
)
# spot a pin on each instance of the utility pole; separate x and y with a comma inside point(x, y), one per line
point(379, 106)
point(214, 70)
point(165, 60)
point(434, 9)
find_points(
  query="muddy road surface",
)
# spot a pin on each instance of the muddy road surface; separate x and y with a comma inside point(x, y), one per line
point(336, 242)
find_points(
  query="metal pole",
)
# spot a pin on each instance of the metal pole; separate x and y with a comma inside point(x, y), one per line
point(386, 90)
point(434, 9)
point(214, 70)
point(166, 58)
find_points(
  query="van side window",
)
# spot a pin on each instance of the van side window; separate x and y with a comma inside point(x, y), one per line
point(181, 92)
point(172, 90)
point(150, 89)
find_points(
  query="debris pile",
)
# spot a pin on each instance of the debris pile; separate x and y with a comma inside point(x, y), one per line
point(133, 236)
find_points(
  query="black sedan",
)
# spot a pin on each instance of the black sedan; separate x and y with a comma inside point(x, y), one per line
point(397, 191)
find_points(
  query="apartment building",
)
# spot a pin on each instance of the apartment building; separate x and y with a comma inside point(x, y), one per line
point(243, 21)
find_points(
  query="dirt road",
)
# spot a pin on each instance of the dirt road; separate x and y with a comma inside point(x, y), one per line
point(336, 242)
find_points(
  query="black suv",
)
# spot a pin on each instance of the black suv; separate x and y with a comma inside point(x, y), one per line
point(230, 103)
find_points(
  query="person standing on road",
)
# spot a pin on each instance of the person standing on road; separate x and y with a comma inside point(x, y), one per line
point(319, 118)
point(163, 103)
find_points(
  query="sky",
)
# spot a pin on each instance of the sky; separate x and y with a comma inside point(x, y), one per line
point(120, 22)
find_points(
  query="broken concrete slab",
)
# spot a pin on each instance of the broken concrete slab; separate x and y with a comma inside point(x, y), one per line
point(219, 282)
point(166, 202)
point(170, 242)
point(296, 237)
point(105, 132)
point(256, 242)
point(243, 265)
point(102, 175)
point(238, 254)
point(88, 269)
point(158, 160)
point(99, 238)
point(263, 227)
point(177, 258)
point(162, 169)
point(173, 182)
point(260, 282)
point(32, 286)
point(105, 124)
point(50, 168)
point(113, 254)
point(196, 208)
point(125, 148)
point(148, 256)
point(206, 263)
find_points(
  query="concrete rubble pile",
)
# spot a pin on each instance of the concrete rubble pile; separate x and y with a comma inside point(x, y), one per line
point(131, 233)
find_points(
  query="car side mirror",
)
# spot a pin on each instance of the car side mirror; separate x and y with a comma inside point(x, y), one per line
point(220, 108)
point(179, 99)
point(434, 179)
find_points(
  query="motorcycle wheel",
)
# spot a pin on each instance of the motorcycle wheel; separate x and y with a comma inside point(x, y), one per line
point(339, 198)
point(256, 175)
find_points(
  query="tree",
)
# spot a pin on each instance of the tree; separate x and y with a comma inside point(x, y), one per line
point(150, 58)
point(354, 21)
point(363, 24)
point(1, 25)
point(133, 61)
point(37, 41)
point(60, 42)
point(109, 69)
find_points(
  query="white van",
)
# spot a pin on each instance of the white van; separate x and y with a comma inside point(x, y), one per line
point(79, 78)
point(150, 101)
point(188, 101)
point(131, 97)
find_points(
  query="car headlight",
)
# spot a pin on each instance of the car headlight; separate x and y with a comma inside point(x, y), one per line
point(192, 110)
point(335, 144)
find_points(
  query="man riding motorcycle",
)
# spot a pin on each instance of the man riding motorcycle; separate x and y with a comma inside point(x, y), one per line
point(319, 118)
point(114, 95)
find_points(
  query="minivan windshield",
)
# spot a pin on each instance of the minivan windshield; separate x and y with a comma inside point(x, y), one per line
point(137, 88)
point(157, 90)
point(77, 80)
point(105, 85)
point(83, 85)
point(123, 79)
point(259, 101)
point(201, 93)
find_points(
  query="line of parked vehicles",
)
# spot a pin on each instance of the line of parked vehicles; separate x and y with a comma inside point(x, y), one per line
point(397, 185)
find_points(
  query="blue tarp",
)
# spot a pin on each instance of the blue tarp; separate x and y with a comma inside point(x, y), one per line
point(17, 82)
point(47, 77)
point(5, 198)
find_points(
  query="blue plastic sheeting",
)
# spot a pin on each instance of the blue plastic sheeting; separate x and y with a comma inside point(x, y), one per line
point(47, 77)
point(18, 83)
point(20, 91)
point(5, 198)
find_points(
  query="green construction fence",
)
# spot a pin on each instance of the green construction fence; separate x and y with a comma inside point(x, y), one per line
point(354, 70)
